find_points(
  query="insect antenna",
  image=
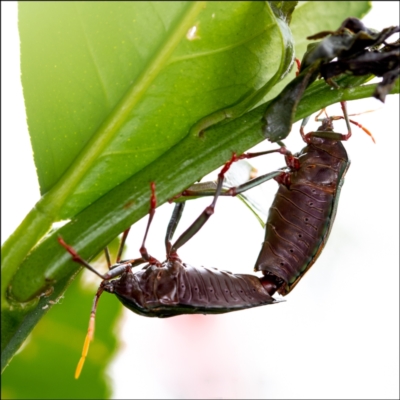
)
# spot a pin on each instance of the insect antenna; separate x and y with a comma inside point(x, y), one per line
point(114, 271)
point(90, 333)
point(345, 116)
point(357, 124)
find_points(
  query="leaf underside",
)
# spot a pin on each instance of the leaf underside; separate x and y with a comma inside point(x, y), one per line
point(112, 81)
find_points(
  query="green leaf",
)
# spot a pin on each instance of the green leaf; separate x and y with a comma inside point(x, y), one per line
point(173, 167)
point(52, 350)
point(284, 8)
point(93, 228)
point(311, 17)
point(110, 87)
point(83, 151)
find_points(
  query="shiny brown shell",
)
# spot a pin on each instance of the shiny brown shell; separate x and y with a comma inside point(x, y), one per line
point(176, 288)
point(303, 211)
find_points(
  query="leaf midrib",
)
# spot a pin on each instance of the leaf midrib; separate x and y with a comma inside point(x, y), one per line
point(53, 201)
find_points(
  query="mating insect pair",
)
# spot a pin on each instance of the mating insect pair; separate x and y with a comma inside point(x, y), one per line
point(297, 229)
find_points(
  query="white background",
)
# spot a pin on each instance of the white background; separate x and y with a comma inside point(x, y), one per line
point(337, 334)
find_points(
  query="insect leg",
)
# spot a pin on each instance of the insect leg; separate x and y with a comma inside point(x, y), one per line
point(348, 121)
point(153, 204)
point(134, 262)
point(143, 250)
point(108, 258)
point(173, 223)
point(77, 258)
point(122, 244)
point(343, 104)
point(326, 129)
point(208, 188)
point(203, 217)
point(291, 161)
point(112, 273)
point(298, 65)
point(233, 191)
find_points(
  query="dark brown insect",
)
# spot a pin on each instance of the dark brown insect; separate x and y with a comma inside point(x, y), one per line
point(302, 214)
point(169, 288)
point(297, 229)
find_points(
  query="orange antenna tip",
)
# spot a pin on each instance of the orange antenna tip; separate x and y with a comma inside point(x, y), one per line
point(85, 350)
point(364, 129)
point(79, 367)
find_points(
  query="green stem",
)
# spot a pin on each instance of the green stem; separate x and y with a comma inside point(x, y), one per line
point(18, 245)
point(335, 96)
point(47, 210)
point(47, 259)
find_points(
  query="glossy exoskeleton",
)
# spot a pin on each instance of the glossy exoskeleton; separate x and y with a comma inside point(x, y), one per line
point(303, 211)
point(170, 288)
point(175, 288)
point(297, 229)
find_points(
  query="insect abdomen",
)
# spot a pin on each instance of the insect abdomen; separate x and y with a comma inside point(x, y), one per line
point(210, 288)
point(294, 231)
point(302, 213)
point(177, 288)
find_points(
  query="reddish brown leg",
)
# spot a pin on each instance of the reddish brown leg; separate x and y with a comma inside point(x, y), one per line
point(116, 270)
point(153, 204)
point(122, 244)
point(108, 258)
point(335, 118)
point(298, 63)
point(291, 161)
point(173, 223)
point(326, 129)
point(77, 258)
point(206, 214)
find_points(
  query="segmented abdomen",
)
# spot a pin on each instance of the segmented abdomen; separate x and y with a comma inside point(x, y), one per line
point(210, 288)
point(295, 228)
point(302, 213)
point(175, 288)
